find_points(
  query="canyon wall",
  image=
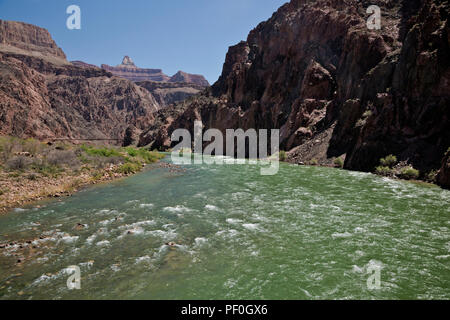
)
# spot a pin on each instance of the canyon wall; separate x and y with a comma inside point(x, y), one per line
point(333, 87)
point(45, 97)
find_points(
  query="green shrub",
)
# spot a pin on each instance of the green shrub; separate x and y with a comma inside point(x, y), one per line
point(18, 163)
point(282, 155)
point(129, 168)
point(96, 175)
point(101, 152)
point(15, 174)
point(59, 158)
point(313, 162)
point(8, 146)
point(339, 162)
point(84, 159)
point(409, 173)
point(390, 161)
point(46, 169)
point(384, 171)
point(431, 176)
point(360, 123)
point(32, 146)
point(149, 156)
point(102, 162)
point(32, 177)
point(132, 152)
point(114, 160)
point(367, 114)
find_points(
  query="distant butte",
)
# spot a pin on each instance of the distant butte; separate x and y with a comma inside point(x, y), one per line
point(128, 70)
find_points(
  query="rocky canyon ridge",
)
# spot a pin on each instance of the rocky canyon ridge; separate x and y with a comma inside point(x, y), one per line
point(333, 87)
point(43, 95)
point(166, 90)
point(128, 70)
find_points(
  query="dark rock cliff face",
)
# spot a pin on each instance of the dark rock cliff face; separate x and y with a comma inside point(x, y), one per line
point(333, 87)
point(443, 177)
point(44, 96)
point(410, 111)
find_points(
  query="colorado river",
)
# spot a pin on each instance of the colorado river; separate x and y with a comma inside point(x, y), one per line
point(305, 233)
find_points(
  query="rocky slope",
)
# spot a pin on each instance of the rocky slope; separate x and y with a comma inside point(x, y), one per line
point(333, 87)
point(44, 96)
point(128, 70)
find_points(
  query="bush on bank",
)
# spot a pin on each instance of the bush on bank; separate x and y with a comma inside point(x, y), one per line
point(390, 167)
point(31, 156)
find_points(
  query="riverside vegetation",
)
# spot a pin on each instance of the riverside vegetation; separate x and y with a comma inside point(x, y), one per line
point(32, 170)
point(391, 167)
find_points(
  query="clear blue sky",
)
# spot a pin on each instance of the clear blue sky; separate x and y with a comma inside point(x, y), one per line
point(188, 35)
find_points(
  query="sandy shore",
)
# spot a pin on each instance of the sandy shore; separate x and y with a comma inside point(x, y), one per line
point(20, 191)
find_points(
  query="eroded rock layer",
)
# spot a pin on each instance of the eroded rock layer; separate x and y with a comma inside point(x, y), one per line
point(27, 37)
point(128, 70)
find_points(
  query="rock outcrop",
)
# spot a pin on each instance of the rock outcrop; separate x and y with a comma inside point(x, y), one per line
point(167, 93)
point(333, 87)
point(128, 70)
point(24, 37)
point(184, 77)
point(83, 64)
point(45, 99)
point(443, 176)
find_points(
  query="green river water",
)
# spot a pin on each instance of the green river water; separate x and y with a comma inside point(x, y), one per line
point(305, 233)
